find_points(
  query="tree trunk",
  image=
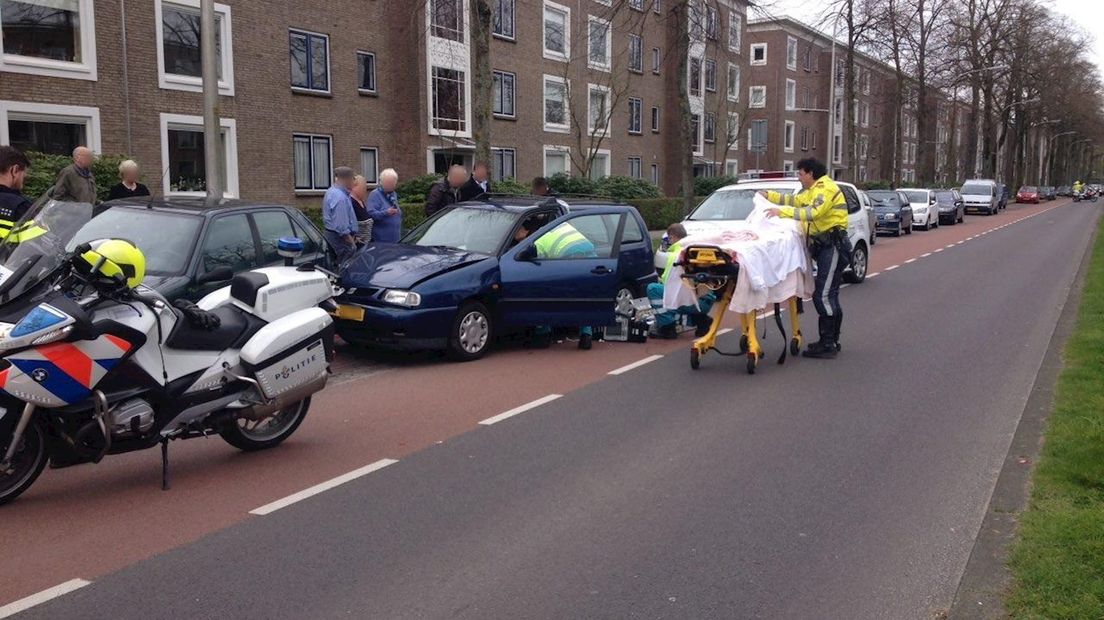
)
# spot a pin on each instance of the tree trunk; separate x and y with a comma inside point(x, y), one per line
point(686, 147)
point(482, 78)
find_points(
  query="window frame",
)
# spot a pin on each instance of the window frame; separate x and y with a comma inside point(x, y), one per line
point(555, 127)
point(464, 119)
point(637, 120)
point(709, 127)
point(374, 180)
point(463, 25)
point(565, 55)
point(591, 129)
point(751, 97)
point(86, 69)
point(694, 87)
point(309, 90)
point(192, 122)
point(733, 86)
point(513, 94)
point(51, 113)
point(709, 68)
point(375, 84)
point(607, 64)
point(712, 22)
point(791, 59)
point(789, 136)
point(312, 190)
point(501, 152)
point(735, 25)
point(655, 174)
point(639, 41)
point(657, 60)
point(559, 150)
point(497, 11)
point(639, 167)
point(656, 119)
point(751, 55)
point(791, 89)
point(607, 157)
point(189, 83)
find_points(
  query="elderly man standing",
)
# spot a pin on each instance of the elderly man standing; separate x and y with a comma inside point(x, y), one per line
point(338, 215)
point(479, 184)
point(383, 208)
point(447, 191)
point(74, 182)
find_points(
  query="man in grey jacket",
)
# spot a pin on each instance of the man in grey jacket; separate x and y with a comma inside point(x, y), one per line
point(75, 182)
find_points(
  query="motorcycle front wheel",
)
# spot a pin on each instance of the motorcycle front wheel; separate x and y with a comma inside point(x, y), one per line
point(29, 460)
point(250, 436)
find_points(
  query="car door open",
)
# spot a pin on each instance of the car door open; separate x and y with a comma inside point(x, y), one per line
point(566, 274)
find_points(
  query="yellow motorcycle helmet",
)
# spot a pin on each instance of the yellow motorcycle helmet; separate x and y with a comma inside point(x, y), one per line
point(117, 260)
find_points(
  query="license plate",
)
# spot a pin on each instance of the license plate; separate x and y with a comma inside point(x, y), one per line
point(351, 313)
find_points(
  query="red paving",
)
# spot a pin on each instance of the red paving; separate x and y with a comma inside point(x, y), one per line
point(87, 521)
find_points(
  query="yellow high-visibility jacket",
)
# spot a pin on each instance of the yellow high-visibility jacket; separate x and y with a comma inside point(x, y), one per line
point(822, 206)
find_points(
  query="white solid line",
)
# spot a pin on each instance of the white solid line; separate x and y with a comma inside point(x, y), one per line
point(891, 268)
point(324, 486)
point(727, 330)
point(960, 242)
point(925, 255)
point(936, 251)
point(911, 260)
point(872, 275)
point(522, 409)
point(636, 364)
point(24, 604)
point(950, 246)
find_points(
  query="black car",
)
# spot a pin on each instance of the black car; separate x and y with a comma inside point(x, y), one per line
point(1065, 190)
point(952, 209)
point(192, 249)
point(1048, 192)
point(892, 212)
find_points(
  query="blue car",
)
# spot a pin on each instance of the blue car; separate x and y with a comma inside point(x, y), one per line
point(482, 268)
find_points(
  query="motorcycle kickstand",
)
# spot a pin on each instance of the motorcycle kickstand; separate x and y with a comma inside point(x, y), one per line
point(165, 464)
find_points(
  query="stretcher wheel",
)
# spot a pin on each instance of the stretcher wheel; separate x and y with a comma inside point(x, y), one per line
point(795, 346)
point(695, 359)
point(744, 344)
point(752, 362)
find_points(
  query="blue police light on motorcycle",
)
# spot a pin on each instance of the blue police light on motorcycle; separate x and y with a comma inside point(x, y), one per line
point(42, 317)
point(289, 247)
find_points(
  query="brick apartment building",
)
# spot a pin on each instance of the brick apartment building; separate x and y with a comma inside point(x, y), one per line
point(580, 86)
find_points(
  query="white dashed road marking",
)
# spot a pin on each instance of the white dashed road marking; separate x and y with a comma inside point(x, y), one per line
point(324, 486)
point(636, 364)
point(48, 594)
point(522, 409)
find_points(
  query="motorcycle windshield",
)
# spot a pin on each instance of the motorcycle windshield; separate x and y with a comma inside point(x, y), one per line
point(35, 247)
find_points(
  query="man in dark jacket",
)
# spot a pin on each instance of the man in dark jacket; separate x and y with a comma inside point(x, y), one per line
point(13, 204)
point(446, 191)
point(75, 182)
point(479, 184)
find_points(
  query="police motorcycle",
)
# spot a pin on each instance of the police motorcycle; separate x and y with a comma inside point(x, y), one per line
point(93, 363)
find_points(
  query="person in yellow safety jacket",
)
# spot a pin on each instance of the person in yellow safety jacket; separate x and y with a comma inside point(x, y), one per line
point(564, 241)
point(822, 210)
point(13, 205)
point(1077, 187)
point(666, 319)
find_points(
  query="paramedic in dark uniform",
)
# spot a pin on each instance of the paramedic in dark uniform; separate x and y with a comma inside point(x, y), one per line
point(13, 204)
point(821, 209)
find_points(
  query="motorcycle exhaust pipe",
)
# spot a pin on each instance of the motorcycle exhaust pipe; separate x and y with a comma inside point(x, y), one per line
point(267, 409)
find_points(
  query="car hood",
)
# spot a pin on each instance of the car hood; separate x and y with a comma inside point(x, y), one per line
point(402, 266)
point(886, 209)
point(977, 197)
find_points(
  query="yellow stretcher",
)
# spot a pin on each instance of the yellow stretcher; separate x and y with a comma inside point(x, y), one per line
point(711, 267)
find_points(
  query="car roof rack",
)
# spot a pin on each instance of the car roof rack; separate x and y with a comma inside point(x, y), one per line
point(767, 175)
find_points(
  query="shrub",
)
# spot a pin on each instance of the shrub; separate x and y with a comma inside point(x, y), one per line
point(416, 188)
point(659, 213)
point(704, 186)
point(869, 185)
point(510, 186)
point(45, 168)
point(626, 188)
point(565, 184)
point(413, 214)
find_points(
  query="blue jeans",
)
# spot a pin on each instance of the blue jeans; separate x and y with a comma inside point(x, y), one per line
point(344, 250)
point(665, 318)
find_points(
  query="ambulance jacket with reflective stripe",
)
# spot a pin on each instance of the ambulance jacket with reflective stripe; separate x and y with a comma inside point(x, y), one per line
point(13, 206)
point(822, 206)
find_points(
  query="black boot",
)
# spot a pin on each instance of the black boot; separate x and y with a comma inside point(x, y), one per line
point(668, 332)
point(702, 324)
point(825, 348)
point(586, 341)
point(837, 322)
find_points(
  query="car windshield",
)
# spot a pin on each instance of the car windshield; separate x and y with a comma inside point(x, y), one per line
point(883, 199)
point(916, 197)
point(977, 189)
point(1029, 189)
point(944, 198)
point(166, 239)
point(475, 230)
point(731, 204)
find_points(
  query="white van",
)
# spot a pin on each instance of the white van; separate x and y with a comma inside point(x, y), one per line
point(980, 196)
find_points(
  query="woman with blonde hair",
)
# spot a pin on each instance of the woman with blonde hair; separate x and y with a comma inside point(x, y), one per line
point(128, 186)
point(359, 194)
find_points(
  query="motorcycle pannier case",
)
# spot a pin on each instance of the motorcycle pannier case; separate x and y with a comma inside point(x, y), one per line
point(290, 352)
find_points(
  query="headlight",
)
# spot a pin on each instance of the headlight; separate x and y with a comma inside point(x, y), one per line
point(410, 299)
point(891, 216)
point(41, 325)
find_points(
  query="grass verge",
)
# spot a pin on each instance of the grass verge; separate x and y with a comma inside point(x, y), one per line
point(1058, 561)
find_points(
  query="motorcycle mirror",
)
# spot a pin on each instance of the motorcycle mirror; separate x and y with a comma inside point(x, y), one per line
point(218, 274)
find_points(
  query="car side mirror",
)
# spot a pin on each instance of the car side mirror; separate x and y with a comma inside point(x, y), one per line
point(218, 274)
point(528, 254)
point(931, 201)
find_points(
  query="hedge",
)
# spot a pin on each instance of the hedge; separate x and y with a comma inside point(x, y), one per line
point(45, 168)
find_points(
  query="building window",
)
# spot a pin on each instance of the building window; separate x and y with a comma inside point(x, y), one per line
point(864, 146)
point(735, 22)
point(447, 19)
point(757, 136)
point(52, 38)
point(711, 26)
point(366, 72)
point(865, 82)
point(695, 132)
point(865, 115)
point(557, 31)
point(655, 119)
point(732, 168)
point(839, 111)
point(310, 61)
point(598, 44)
point(600, 165)
point(695, 20)
point(757, 97)
point(636, 54)
point(449, 113)
point(655, 60)
point(502, 19)
point(655, 174)
point(733, 133)
point(557, 160)
point(695, 77)
point(733, 82)
point(502, 164)
point(709, 127)
point(804, 138)
point(636, 5)
point(634, 167)
point(787, 166)
point(657, 6)
point(758, 54)
point(598, 112)
point(178, 47)
point(47, 128)
point(182, 144)
point(837, 149)
point(313, 162)
point(502, 96)
point(791, 94)
point(369, 164)
point(555, 104)
point(791, 53)
point(788, 137)
point(636, 111)
point(813, 140)
point(711, 75)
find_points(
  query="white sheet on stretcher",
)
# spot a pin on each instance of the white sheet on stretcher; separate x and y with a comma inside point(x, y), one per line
point(774, 263)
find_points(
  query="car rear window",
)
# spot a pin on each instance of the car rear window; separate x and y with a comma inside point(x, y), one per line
point(917, 196)
point(731, 204)
point(166, 239)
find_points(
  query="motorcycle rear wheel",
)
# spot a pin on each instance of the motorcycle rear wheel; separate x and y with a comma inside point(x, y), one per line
point(251, 436)
point(29, 461)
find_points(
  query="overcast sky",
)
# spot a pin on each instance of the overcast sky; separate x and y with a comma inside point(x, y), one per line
point(1080, 10)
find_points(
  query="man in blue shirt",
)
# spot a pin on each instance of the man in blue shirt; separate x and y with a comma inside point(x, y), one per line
point(338, 216)
point(383, 208)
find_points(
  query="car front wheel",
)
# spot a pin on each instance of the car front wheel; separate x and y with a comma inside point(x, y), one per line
point(470, 336)
point(859, 262)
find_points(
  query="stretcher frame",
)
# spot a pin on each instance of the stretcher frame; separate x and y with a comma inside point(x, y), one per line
point(713, 268)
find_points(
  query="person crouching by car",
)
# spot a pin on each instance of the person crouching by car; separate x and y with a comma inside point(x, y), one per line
point(667, 320)
point(383, 208)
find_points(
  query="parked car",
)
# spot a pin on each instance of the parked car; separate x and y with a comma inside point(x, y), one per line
point(192, 249)
point(893, 210)
point(952, 210)
point(463, 276)
point(981, 196)
point(925, 214)
point(1065, 191)
point(1048, 192)
point(1028, 194)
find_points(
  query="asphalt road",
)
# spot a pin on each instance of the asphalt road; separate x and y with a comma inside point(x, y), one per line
point(844, 489)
